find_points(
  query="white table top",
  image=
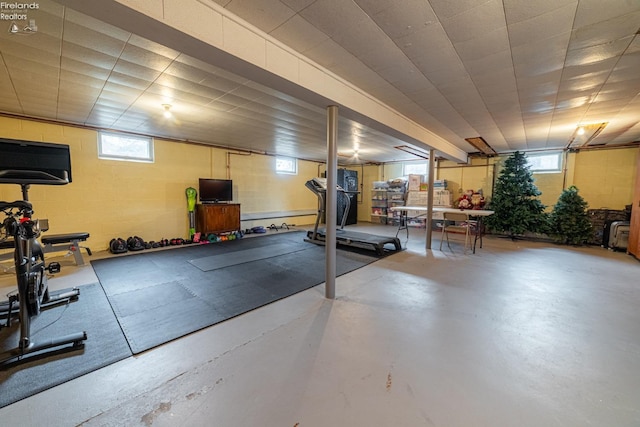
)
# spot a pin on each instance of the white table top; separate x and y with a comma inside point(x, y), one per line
point(468, 212)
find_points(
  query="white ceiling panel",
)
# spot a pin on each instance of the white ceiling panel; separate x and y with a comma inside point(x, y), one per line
point(403, 18)
point(518, 10)
point(592, 11)
point(265, 14)
point(299, 34)
point(537, 28)
point(521, 74)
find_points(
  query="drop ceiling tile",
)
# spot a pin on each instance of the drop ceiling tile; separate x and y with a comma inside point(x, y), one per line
point(177, 97)
point(118, 95)
point(138, 76)
point(38, 47)
point(592, 11)
point(78, 92)
point(299, 34)
point(194, 65)
point(626, 69)
point(26, 73)
point(21, 54)
point(595, 54)
point(404, 18)
point(110, 44)
point(541, 27)
point(447, 9)
point(167, 85)
point(444, 77)
point(344, 22)
point(180, 71)
point(540, 58)
point(517, 10)
point(10, 104)
point(267, 15)
point(330, 55)
point(604, 33)
point(430, 50)
point(590, 74)
point(71, 69)
point(77, 19)
point(485, 17)
point(297, 5)
point(491, 68)
point(144, 58)
point(83, 55)
point(484, 45)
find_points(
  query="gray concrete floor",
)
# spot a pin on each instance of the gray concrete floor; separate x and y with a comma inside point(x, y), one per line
point(519, 334)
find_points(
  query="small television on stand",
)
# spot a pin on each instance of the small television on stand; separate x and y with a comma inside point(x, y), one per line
point(215, 190)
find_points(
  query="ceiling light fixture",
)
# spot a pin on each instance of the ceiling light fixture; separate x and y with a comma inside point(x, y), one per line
point(481, 145)
point(585, 134)
point(167, 111)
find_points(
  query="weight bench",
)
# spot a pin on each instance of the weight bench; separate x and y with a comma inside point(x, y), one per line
point(66, 242)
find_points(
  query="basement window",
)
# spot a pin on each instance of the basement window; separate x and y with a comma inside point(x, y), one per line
point(545, 162)
point(127, 147)
point(287, 165)
point(415, 168)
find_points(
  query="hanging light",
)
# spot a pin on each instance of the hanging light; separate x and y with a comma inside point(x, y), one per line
point(167, 110)
point(585, 134)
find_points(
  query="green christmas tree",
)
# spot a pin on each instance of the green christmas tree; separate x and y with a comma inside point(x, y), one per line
point(515, 203)
point(569, 220)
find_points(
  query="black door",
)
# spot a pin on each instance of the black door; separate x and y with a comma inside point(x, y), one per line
point(348, 180)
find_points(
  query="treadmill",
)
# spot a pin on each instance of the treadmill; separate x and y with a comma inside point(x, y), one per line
point(344, 237)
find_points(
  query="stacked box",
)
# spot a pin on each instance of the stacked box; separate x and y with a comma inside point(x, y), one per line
point(414, 182)
point(440, 184)
point(600, 218)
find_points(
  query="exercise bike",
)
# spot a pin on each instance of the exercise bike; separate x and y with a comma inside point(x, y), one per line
point(31, 273)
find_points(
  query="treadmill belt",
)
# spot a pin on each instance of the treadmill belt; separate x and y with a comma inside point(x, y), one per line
point(358, 239)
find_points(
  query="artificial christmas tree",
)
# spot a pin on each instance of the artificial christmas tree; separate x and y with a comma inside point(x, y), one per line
point(515, 203)
point(569, 221)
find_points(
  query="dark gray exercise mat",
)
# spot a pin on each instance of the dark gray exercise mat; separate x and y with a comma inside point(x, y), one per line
point(158, 296)
point(215, 262)
point(105, 345)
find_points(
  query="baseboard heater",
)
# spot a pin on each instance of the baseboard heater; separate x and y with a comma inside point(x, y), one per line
point(254, 216)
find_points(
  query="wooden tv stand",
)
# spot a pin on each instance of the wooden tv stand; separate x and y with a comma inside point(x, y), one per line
point(217, 217)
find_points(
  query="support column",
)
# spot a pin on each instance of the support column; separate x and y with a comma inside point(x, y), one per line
point(432, 172)
point(331, 209)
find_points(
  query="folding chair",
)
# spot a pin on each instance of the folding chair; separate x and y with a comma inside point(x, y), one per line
point(460, 225)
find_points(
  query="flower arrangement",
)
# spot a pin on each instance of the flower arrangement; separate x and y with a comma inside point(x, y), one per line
point(470, 200)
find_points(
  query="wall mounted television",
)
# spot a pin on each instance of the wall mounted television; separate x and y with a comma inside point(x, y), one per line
point(215, 190)
point(29, 162)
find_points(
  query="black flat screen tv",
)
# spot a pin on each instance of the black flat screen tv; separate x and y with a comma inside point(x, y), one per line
point(215, 190)
point(29, 162)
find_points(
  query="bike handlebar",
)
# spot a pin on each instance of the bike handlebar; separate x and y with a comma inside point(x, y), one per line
point(20, 204)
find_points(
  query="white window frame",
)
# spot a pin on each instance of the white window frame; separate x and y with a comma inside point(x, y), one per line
point(293, 170)
point(145, 152)
point(425, 164)
point(536, 168)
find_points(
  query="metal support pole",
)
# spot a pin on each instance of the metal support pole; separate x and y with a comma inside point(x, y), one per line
point(331, 209)
point(432, 172)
